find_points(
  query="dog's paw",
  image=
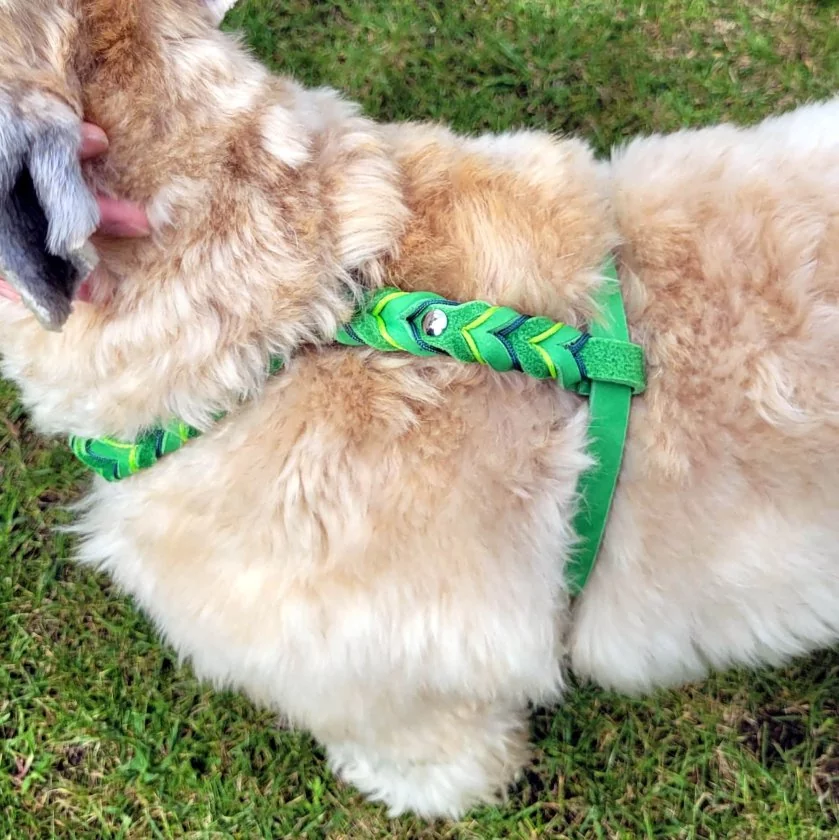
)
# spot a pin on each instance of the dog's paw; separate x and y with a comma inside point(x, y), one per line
point(47, 213)
point(435, 779)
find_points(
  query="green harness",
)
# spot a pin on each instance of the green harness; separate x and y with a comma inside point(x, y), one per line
point(601, 364)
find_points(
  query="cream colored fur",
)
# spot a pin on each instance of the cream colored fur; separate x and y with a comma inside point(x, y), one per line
point(374, 545)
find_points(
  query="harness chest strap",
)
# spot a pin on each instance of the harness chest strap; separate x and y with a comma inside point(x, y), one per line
point(601, 364)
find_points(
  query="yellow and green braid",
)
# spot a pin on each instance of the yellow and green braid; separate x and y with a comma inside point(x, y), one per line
point(424, 324)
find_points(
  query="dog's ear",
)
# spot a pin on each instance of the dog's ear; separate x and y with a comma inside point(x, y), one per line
point(218, 8)
point(47, 213)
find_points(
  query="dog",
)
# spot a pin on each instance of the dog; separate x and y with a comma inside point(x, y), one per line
point(375, 544)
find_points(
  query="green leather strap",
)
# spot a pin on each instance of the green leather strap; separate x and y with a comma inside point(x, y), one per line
point(497, 336)
point(609, 404)
point(115, 459)
point(601, 364)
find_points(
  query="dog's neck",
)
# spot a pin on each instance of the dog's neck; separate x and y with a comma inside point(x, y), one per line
point(271, 204)
point(527, 222)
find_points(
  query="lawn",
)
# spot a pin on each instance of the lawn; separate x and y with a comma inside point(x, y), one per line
point(103, 734)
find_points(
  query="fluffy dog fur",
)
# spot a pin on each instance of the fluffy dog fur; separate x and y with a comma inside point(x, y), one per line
point(374, 545)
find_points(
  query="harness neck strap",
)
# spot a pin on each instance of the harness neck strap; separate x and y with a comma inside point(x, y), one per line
point(601, 364)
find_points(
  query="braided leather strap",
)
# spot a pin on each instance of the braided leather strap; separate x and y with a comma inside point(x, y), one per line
point(424, 324)
point(115, 459)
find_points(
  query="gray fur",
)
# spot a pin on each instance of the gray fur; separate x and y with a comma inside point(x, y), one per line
point(13, 145)
point(47, 213)
point(68, 204)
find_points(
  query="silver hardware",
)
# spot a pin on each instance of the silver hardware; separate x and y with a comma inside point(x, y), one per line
point(434, 322)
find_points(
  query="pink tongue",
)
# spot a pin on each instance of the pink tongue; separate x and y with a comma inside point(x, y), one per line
point(6, 291)
point(83, 293)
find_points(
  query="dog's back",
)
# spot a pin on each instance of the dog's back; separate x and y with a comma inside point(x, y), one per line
point(729, 493)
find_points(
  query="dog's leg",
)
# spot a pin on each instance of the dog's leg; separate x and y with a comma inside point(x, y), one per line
point(437, 761)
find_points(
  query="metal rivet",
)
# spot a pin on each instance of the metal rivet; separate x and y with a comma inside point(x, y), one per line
point(434, 322)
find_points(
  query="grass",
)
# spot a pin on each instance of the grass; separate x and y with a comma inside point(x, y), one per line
point(104, 735)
